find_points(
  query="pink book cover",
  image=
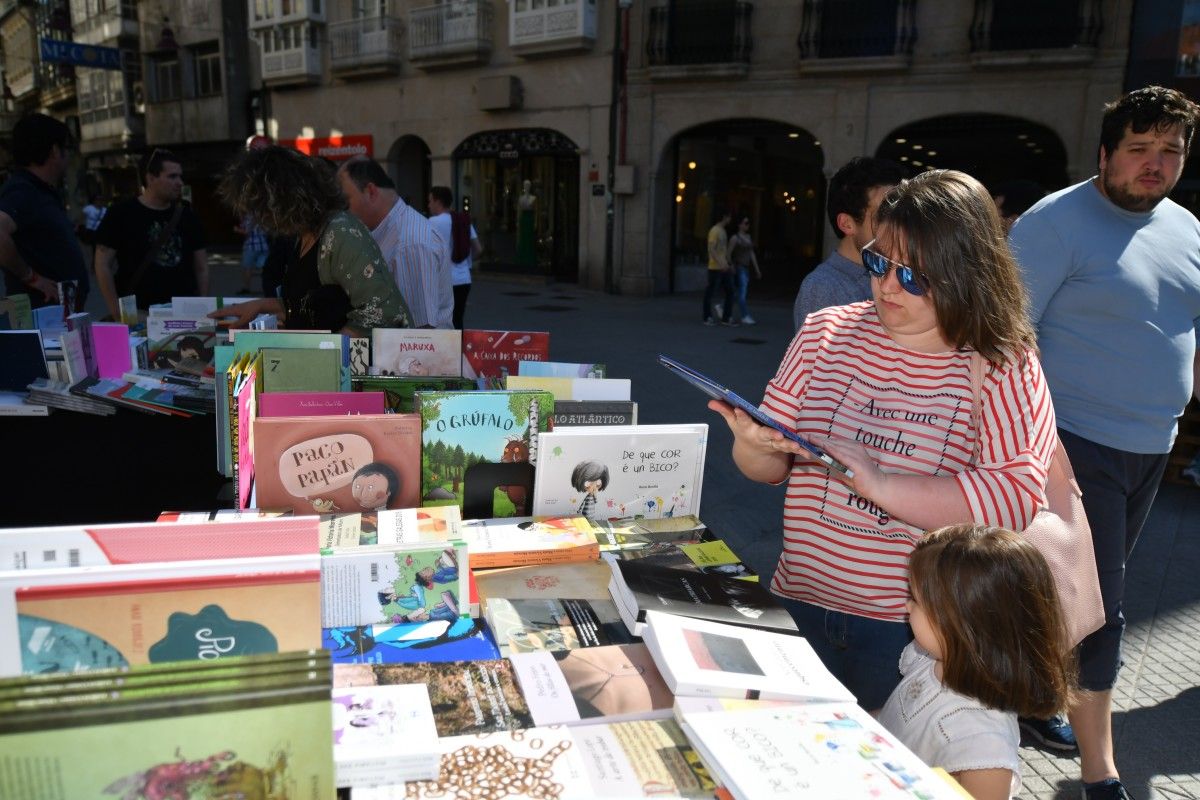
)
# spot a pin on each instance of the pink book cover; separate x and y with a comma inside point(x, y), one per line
point(354, 463)
point(111, 340)
point(245, 412)
point(150, 542)
point(496, 354)
point(320, 404)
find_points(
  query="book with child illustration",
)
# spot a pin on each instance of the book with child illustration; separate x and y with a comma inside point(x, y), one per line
point(383, 735)
point(609, 472)
point(367, 585)
point(355, 463)
point(479, 449)
point(416, 352)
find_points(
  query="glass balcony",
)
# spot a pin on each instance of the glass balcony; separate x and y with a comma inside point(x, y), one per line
point(551, 26)
point(291, 53)
point(451, 33)
point(365, 45)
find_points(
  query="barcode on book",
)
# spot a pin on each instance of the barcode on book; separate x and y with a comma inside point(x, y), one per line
point(374, 572)
point(73, 557)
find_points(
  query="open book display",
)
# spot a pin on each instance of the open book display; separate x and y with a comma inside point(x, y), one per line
point(419, 605)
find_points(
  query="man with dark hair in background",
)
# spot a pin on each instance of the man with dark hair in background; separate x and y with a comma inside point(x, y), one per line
point(854, 194)
point(453, 227)
point(1113, 272)
point(38, 248)
point(1014, 198)
point(152, 245)
point(414, 252)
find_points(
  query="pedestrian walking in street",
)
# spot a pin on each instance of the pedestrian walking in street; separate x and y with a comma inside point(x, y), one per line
point(742, 260)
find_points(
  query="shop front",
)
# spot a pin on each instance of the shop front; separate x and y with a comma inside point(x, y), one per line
point(522, 190)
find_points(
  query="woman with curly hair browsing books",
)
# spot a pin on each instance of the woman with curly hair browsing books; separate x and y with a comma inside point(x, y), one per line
point(885, 387)
point(335, 278)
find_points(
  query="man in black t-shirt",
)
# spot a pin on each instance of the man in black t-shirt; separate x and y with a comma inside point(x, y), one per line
point(38, 247)
point(152, 245)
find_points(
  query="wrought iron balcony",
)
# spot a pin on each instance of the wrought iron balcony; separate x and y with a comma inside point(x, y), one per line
point(1065, 31)
point(536, 28)
point(368, 44)
point(713, 35)
point(456, 32)
point(857, 34)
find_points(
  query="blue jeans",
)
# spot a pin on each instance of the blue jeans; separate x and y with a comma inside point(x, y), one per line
point(862, 653)
point(742, 284)
point(725, 281)
point(1118, 491)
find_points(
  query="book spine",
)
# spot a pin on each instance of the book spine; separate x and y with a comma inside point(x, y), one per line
point(530, 558)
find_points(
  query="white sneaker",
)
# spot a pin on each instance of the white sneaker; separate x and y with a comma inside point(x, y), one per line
point(717, 309)
point(748, 320)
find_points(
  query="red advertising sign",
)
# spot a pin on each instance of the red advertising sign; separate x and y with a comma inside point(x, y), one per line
point(336, 148)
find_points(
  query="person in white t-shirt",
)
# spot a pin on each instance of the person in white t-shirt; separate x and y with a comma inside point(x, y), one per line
point(970, 671)
point(441, 207)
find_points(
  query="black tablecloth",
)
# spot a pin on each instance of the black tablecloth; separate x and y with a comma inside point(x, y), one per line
point(72, 468)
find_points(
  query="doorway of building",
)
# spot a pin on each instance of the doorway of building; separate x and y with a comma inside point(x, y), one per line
point(768, 171)
point(522, 190)
point(409, 166)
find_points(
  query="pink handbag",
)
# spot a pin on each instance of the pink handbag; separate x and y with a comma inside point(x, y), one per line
point(1060, 531)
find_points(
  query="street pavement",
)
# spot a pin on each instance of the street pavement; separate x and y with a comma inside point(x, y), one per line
point(1157, 722)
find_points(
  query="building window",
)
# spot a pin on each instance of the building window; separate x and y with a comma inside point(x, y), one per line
point(167, 83)
point(208, 69)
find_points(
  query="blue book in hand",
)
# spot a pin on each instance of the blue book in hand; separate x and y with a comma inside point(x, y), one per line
point(719, 392)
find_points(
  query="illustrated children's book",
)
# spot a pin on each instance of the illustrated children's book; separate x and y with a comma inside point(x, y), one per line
point(393, 583)
point(561, 369)
point(407, 642)
point(396, 526)
point(319, 404)
point(489, 356)
point(383, 735)
point(621, 471)
point(467, 696)
point(612, 683)
point(594, 412)
point(597, 389)
point(416, 352)
point(479, 449)
point(364, 462)
point(87, 617)
point(827, 750)
point(255, 737)
point(701, 657)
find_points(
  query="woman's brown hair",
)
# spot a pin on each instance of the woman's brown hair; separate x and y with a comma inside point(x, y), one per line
point(949, 228)
point(287, 193)
point(989, 596)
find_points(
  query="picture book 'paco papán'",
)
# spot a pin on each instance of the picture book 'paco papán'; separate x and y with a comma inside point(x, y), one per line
point(479, 449)
point(648, 471)
point(366, 462)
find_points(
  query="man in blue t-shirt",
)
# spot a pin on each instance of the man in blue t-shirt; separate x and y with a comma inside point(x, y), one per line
point(38, 248)
point(1113, 271)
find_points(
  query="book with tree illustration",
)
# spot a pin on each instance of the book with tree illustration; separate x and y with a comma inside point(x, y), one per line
point(620, 471)
point(258, 738)
point(479, 449)
point(364, 462)
point(399, 390)
point(479, 696)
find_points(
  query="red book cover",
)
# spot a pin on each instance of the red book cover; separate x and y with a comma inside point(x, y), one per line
point(493, 355)
point(364, 462)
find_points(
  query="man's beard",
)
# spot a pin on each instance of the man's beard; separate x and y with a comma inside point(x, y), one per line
point(1123, 198)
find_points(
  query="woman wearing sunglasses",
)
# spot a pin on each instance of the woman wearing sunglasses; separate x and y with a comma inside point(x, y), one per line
point(335, 277)
point(885, 387)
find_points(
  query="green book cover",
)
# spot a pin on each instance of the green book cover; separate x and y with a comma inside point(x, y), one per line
point(399, 391)
point(280, 369)
point(465, 435)
point(273, 748)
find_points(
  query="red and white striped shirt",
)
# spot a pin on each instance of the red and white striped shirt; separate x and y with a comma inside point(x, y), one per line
point(844, 376)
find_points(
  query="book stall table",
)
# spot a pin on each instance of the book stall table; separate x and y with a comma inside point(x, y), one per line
point(75, 468)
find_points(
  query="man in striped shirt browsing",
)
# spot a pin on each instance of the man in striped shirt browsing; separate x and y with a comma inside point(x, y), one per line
point(419, 261)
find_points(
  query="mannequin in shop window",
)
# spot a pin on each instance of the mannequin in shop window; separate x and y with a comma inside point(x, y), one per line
point(526, 252)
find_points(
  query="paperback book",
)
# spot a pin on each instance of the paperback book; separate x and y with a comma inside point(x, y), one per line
point(712, 558)
point(638, 587)
point(408, 642)
point(383, 735)
point(480, 696)
point(573, 413)
point(479, 449)
point(364, 462)
point(563, 389)
point(392, 583)
point(548, 623)
point(518, 541)
point(490, 356)
point(416, 352)
point(561, 369)
point(621, 471)
point(587, 580)
point(700, 657)
point(610, 684)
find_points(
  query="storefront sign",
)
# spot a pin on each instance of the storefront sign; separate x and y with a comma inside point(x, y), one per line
point(509, 155)
point(56, 51)
point(597, 190)
point(336, 148)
